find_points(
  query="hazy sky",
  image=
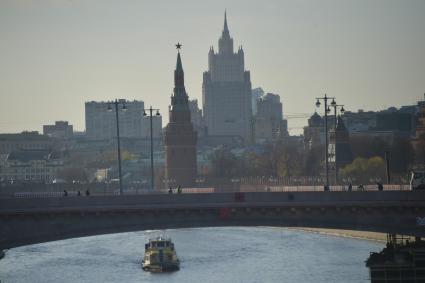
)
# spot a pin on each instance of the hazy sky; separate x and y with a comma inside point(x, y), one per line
point(57, 54)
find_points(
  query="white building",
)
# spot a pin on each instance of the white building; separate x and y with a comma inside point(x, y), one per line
point(31, 166)
point(101, 123)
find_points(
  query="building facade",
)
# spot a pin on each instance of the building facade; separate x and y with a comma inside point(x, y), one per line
point(101, 123)
point(418, 141)
point(269, 122)
point(339, 149)
point(60, 130)
point(226, 91)
point(197, 118)
point(314, 132)
point(257, 93)
point(26, 140)
point(31, 165)
point(156, 127)
point(179, 136)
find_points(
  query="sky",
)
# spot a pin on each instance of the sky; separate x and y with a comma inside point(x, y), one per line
point(57, 54)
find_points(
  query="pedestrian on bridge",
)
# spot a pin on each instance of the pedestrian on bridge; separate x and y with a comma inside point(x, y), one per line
point(170, 191)
point(87, 192)
point(179, 190)
point(65, 193)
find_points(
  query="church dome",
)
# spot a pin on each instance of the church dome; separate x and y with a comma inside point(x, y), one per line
point(315, 120)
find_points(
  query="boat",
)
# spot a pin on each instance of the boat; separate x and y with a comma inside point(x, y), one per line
point(160, 256)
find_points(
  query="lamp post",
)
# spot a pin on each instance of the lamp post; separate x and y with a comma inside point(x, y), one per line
point(124, 108)
point(327, 110)
point(341, 110)
point(150, 109)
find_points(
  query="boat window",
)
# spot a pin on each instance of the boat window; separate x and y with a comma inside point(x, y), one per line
point(161, 244)
point(154, 244)
point(417, 175)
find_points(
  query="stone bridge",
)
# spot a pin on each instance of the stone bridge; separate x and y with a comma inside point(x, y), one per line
point(28, 221)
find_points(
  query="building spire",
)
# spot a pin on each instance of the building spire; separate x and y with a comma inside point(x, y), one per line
point(179, 66)
point(225, 43)
point(179, 100)
point(225, 29)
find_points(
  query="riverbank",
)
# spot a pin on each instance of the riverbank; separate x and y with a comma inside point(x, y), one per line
point(363, 235)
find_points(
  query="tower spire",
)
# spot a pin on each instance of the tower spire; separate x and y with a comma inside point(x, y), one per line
point(225, 29)
point(179, 101)
point(225, 43)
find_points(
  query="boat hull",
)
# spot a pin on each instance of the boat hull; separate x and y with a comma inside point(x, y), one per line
point(161, 267)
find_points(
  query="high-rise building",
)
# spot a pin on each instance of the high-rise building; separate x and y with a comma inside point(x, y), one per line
point(180, 137)
point(196, 117)
point(269, 123)
point(101, 124)
point(226, 91)
point(257, 93)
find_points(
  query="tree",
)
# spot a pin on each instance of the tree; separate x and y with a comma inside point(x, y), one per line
point(402, 156)
point(313, 162)
point(223, 163)
point(419, 151)
point(290, 162)
point(362, 170)
point(72, 174)
point(367, 146)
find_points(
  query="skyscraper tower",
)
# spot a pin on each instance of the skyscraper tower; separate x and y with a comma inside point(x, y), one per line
point(180, 137)
point(226, 90)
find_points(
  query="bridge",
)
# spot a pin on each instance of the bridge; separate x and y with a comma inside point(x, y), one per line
point(27, 221)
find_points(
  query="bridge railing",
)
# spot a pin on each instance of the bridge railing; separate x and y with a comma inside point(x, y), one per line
point(271, 189)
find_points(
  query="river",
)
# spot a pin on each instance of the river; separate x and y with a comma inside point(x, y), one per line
point(231, 254)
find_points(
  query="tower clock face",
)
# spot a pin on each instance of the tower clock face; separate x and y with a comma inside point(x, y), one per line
point(331, 152)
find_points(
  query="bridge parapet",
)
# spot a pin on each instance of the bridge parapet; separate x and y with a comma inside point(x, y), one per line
point(220, 199)
point(25, 221)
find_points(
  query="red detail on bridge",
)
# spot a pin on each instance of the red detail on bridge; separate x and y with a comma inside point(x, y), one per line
point(239, 197)
point(224, 212)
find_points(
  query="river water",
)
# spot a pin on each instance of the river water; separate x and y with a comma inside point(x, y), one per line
point(231, 254)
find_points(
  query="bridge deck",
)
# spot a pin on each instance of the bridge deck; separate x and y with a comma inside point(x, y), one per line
point(25, 221)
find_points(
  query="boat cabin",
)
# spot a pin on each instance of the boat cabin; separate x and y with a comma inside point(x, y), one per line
point(159, 243)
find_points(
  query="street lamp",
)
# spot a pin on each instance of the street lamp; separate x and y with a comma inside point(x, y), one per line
point(124, 108)
point(150, 109)
point(327, 110)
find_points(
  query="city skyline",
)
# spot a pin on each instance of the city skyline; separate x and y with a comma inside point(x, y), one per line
point(59, 54)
